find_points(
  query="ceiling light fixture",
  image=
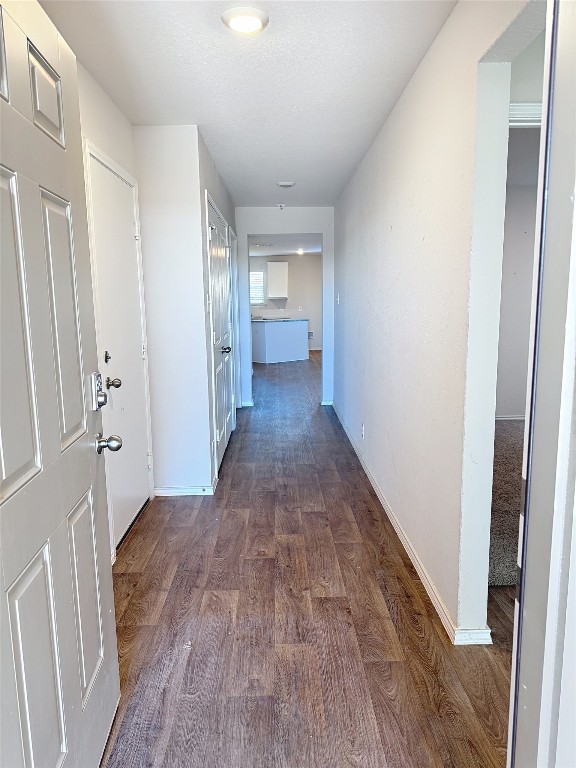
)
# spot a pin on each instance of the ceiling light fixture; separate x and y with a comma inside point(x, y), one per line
point(285, 184)
point(246, 20)
point(300, 251)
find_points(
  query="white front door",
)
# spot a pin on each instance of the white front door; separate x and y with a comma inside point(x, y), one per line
point(221, 317)
point(119, 296)
point(59, 668)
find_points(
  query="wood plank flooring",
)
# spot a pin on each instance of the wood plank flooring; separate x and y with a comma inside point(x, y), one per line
point(280, 624)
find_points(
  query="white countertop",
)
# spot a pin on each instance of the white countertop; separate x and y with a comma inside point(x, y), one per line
point(279, 319)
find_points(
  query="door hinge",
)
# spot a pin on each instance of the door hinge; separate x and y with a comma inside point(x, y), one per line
point(136, 230)
point(143, 351)
point(149, 461)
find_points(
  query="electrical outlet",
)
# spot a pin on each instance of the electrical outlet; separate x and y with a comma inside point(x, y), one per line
point(337, 298)
point(300, 308)
point(362, 430)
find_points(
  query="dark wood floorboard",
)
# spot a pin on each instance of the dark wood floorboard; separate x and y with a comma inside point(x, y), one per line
point(280, 623)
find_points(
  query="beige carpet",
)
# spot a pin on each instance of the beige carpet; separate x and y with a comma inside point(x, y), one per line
point(506, 501)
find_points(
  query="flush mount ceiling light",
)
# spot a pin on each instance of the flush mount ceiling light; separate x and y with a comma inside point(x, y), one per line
point(285, 184)
point(246, 20)
point(300, 251)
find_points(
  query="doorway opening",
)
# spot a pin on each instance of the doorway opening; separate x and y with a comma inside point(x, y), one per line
point(501, 311)
point(285, 285)
point(513, 351)
point(520, 213)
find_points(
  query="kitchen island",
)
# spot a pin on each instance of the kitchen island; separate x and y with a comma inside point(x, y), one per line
point(279, 340)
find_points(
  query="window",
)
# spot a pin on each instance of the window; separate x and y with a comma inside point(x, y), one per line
point(257, 287)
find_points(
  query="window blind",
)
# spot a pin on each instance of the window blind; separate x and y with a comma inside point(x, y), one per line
point(256, 287)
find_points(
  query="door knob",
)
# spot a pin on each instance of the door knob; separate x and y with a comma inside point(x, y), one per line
point(116, 383)
point(225, 350)
point(113, 443)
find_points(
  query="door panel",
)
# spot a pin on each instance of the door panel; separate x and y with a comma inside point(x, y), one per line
point(3, 78)
point(19, 443)
point(59, 666)
point(87, 607)
point(46, 96)
point(35, 649)
point(64, 317)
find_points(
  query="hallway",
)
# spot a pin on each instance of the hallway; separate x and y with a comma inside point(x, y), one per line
point(280, 623)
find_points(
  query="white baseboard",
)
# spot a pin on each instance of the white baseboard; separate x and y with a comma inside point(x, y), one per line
point(326, 402)
point(247, 403)
point(457, 635)
point(510, 418)
point(191, 490)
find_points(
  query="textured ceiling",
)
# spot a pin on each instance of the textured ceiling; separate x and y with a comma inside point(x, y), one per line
point(283, 245)
point(301, 101)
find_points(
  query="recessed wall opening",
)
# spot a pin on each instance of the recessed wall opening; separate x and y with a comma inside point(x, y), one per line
point(513, 353)
point(498, 367)
point(285, 288)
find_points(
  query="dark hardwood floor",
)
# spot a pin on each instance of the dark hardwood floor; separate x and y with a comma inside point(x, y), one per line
point(280, 623)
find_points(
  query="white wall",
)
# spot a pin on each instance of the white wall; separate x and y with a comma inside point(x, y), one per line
point(211, 180)
point(170, 207)
point(517, 269)
point(566, 738)
point(527, 79)
point(174, 170)
point(304, 290)
point(104, 124)
point(291, 220)
point(404, 237)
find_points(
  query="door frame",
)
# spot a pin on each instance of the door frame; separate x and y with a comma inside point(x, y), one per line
point(232, 237)
point(90, 150)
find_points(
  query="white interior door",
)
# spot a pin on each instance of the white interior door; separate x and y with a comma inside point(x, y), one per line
point(119, 297)
point(221, 317)
point(59, 668)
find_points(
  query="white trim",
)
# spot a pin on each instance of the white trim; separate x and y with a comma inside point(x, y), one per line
point(457, 635)
point(247, 403)
point(182, 490)
point(327, 402)
point(91, 150)
point(525, 114)
point(510, 418)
